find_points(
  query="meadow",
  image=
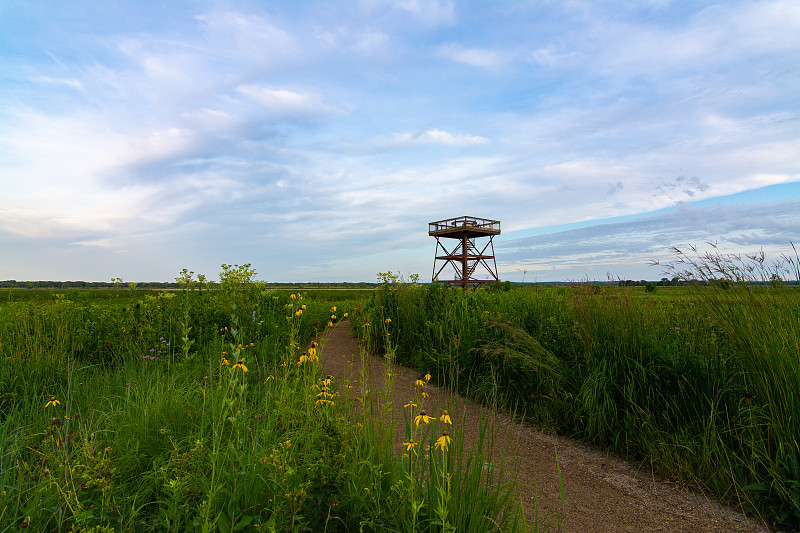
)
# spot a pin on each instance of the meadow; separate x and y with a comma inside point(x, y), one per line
point(205, 410)
point(700, 381)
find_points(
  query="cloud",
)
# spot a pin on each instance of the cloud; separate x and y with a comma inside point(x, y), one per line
point(637, 241)
point(437, 137)
point(69, 82)
point(475, 57)
point(430, 12)
point(285, 103)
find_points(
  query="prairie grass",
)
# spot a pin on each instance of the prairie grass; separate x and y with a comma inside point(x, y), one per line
point(701, 382)
point(206, 410)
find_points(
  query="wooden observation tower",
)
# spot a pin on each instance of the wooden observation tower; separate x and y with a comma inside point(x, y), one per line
point(466, 259)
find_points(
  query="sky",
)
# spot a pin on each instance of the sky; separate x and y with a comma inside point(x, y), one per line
point(316, 140)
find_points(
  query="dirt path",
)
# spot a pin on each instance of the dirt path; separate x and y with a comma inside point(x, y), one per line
point(603, 493)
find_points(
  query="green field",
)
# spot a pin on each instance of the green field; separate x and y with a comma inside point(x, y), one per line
point(204, 410)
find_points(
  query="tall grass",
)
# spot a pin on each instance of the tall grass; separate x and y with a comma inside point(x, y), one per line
point(198, 410)
point(702, 383)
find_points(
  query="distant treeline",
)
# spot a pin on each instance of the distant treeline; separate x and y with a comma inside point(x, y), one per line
point(165, 285)
point(162, 285)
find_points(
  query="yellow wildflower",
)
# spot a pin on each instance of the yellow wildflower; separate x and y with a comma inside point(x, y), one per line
point(424, 394)
point(269, 378)
point(443, 442)
point(388, 320)
point(333, 317)
point(445, 418)
point(333, 309)
point(427, 377)
point(419, 383)
point(422, 417)
point(240, 364)
point(410, 404)
point(298, 312)
point(303, 306)
point(52, 403)
point(330, 324)
point(225, 361)
point(410, 445)
point(292, 296)
point(344, 315)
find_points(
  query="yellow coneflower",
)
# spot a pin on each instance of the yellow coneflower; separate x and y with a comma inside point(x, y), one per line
point(422, 417)
point(410, 445)
point(445, 418)
point(292, 296)
point(344, 315)
point(427, 377)
point(303, 359)
point(240, 364)
point(269, 378)
point(410, 404)
point(333, 309)
point(303, 306)
point(443, 442)
point(419, 383)
point(52, 403)
point(388, 320)
point(298, 312)
point(225, 361)
point(314, 344)
point(424, 394)
point(330, 324)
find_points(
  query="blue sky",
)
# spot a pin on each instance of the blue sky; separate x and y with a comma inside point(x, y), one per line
point(316, 140)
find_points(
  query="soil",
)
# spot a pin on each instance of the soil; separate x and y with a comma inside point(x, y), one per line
point(603, 493)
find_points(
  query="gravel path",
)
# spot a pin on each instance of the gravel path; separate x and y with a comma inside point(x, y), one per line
point(603, 492)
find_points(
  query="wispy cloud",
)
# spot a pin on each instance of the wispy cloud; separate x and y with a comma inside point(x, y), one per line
point(430, 12)
point(283, 102)
point(290, 135)
point(476, 57)
point(439, 137)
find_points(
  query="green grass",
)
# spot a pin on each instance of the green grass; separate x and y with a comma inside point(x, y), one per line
point(200, 410)
point(700, 381)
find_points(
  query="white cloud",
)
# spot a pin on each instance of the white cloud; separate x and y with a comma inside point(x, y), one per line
point(477, 57)
point(69, 82)
point(430, 12)
point(439, 137)
point(283, 102)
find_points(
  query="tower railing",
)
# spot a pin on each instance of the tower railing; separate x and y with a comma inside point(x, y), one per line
point(472, 223)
